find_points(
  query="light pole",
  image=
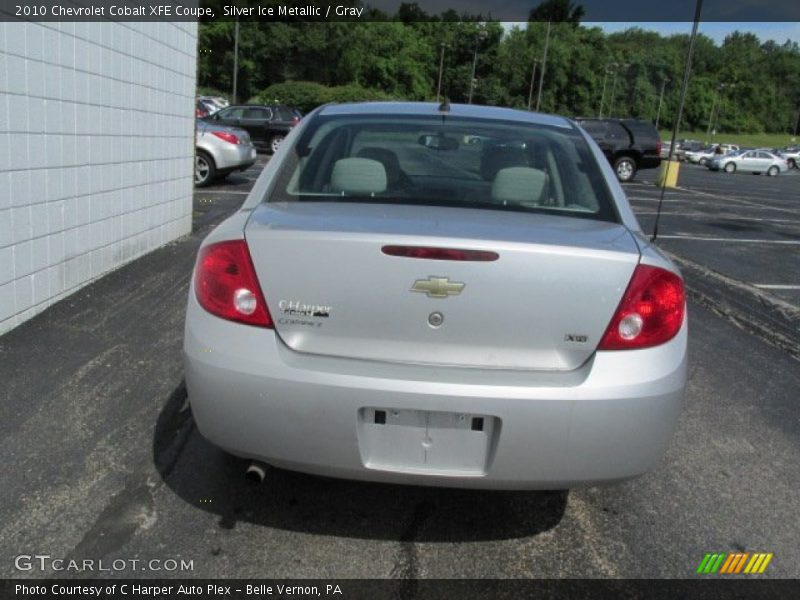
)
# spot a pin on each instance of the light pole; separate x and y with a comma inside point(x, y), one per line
point(536, 61)
point(797, 125)
point(660, 99)
point(441, 67)
point(479, 37)
point(613, 99)
point(711, 112)
point(608, 69)
point(235, 59)
point(715, 106)
point(544, 66)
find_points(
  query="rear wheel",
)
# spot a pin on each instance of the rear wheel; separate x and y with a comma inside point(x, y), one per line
point(703, 161)
point(625, 168)
point(730, 167)
point(204, 169)
point(773, 171)
point(274, 143)
point(792, 163)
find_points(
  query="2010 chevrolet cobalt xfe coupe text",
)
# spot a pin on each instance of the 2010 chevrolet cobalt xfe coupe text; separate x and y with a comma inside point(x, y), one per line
point(439, 295)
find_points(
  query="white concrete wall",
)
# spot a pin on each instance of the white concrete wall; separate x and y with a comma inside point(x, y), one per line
point(96, 152)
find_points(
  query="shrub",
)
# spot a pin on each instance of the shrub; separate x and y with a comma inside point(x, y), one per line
point(307, 95)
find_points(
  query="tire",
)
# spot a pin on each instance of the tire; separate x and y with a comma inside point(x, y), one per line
point(625, 168)
point(773, 171)
point(730, 167)
point(274, 143)
point(702, 162)
point(792, 163)
point(205, 171)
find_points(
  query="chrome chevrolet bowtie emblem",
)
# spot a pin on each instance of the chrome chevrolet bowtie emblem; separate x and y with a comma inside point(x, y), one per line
point(437, 287)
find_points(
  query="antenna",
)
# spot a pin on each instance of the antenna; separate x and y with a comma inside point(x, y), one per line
point(676, 124)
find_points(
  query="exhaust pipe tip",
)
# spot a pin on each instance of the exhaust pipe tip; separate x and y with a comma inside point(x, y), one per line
point(255, 473)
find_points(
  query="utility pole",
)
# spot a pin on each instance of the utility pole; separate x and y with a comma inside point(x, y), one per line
point(235, 60)
point(536, 61)
point(441, 67)
point(544, 66)
point(660, 99)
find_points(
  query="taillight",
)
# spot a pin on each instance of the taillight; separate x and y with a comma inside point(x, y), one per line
point(228, 137)
point(650, 313)
point(226, 285)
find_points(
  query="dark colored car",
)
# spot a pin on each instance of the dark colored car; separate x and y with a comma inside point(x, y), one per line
point(629, 144)
point(267, 124)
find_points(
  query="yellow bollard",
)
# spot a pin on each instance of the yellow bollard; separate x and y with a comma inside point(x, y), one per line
point(668, 174)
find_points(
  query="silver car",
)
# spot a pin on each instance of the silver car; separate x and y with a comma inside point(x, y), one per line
point(394, 303)
point(750, 161)
point(219, 151)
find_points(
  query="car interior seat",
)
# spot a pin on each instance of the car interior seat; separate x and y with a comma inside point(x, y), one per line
point(358, 177)
point(519, 185)
point(396, 178)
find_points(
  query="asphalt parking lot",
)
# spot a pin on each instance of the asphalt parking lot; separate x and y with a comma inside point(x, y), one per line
point(103, 460)
point(742, 225)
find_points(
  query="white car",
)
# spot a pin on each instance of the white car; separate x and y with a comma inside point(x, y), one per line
point(700, 156)
point(750, 161)
point(703, 156)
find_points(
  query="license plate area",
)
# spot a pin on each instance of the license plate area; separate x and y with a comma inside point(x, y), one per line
point(426, 442)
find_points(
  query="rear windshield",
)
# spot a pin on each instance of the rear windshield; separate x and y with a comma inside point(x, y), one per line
point(445, 161)
point(285, 113)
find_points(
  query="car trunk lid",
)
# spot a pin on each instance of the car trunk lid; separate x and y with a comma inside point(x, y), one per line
point(544, 303)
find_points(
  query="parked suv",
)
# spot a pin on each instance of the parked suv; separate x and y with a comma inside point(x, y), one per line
point(629, 144)
point(267, 124)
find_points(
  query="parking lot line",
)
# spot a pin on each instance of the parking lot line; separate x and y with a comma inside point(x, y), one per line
point(682, 236)
point(221, 192)
point(726, 217)
point(767, 286)
point(737, 199)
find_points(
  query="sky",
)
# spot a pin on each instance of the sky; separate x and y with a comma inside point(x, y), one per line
point(624, 11)
point(779, 32)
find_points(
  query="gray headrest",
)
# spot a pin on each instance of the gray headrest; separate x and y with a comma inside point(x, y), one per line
point(518, 184)
point(358, 176)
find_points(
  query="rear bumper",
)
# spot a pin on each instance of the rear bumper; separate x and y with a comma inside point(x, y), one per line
point(234, 157)
point(609, 420)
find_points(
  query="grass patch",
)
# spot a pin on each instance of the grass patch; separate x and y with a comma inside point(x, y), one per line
point(756, 140)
